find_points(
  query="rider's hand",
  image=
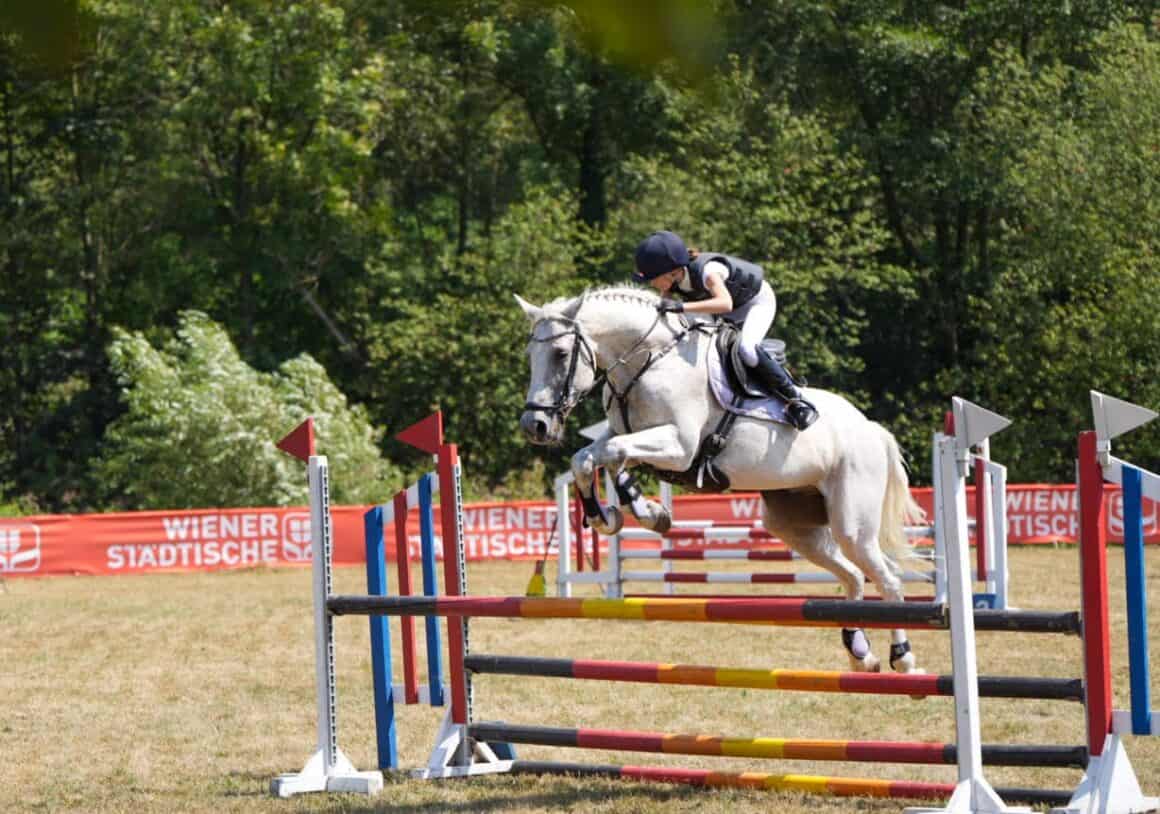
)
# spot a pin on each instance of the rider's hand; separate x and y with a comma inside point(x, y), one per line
point(670, 306)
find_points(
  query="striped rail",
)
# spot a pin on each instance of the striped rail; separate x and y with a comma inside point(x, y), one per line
point(812, 784)
point(645, 595)
point(749, 578)
point(782, 611)
point(706, 530)
point(916, 752)
point(781, 680)
point(763, 554)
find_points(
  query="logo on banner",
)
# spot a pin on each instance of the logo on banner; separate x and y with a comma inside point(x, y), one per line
point(296, 537)
point(1116, 515)
point(19, 548)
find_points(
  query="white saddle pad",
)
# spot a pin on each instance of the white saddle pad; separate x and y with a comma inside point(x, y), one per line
point(769, 408)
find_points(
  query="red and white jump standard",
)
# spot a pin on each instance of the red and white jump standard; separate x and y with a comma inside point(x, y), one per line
point(1110, 783)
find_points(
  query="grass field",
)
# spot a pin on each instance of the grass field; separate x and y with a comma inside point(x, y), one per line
point(188, 693)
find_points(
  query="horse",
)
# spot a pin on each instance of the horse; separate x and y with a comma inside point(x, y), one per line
point(836, 493)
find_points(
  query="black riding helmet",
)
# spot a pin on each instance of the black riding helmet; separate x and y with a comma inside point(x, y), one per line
point(658, 254)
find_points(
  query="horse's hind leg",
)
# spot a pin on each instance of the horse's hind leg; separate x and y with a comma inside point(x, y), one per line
point(855, 523)
point(799, 519)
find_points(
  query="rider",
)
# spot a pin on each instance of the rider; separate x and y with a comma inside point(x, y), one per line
point(711, 283)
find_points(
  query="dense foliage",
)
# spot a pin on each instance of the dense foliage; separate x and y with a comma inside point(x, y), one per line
point(949, 198)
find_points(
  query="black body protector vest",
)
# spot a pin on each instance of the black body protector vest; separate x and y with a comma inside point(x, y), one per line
point(743, 282)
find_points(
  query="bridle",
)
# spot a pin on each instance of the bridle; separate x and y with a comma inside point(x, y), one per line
point(569, 396)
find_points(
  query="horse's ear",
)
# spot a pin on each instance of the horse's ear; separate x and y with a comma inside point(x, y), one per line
point(533, 312)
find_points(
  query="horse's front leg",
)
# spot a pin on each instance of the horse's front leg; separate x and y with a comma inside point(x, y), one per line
point(651, 514)
point(659, 447)
point(605, 519)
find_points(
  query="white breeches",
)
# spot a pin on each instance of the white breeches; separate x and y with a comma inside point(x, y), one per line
point(755, 318)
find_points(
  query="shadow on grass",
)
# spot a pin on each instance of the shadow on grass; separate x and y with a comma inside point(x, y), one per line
point(511, 798)
point(517, 793)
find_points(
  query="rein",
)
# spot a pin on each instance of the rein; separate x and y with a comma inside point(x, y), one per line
point(622, 395)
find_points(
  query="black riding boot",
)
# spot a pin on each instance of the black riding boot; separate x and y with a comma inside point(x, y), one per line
point(774, 377)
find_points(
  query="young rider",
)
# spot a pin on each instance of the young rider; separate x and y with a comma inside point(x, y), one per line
point(711, 283)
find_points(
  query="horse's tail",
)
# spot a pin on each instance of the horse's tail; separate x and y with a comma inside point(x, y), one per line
point(898, 507)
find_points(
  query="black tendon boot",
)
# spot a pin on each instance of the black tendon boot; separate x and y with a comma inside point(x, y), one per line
point(775, 379)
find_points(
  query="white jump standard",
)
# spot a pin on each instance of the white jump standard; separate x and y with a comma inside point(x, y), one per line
point(328, 769)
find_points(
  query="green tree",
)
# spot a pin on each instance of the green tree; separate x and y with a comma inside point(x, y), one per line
point(762, 182)
point(465, 352)
point(75, 157)
point(200, 427)
point(1075, 304)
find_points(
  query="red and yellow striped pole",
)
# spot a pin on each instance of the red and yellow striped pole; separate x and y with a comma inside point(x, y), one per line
point(832, 786)
point(790, 611)
point(919, 752)
point(913, 684)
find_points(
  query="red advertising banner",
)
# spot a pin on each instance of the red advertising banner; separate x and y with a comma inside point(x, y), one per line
point(215, 539)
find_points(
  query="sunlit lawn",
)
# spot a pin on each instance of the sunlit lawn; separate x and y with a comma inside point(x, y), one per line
point(189, 692)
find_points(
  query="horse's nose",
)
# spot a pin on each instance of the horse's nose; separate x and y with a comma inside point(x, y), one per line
point(533, 426)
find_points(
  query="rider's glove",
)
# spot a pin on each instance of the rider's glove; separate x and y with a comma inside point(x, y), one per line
point(673, 306)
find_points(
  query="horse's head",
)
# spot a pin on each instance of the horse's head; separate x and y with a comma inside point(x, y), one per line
point(563, 362)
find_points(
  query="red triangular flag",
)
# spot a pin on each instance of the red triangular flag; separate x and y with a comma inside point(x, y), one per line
point(426, 435)
point(300, 441)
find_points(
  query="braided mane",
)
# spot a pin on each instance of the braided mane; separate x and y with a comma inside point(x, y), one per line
point(613, 293)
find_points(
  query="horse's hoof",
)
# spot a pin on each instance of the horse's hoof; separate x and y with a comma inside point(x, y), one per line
point(906, 665)
point(663, 522)
point(614, 524)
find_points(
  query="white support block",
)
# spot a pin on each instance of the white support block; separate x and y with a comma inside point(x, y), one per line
point(450, 757)
point(424, 692)
point(475, 769)
point(449, 745)
point(1109, 786)
point(1122, 723)
point(972, 797)
point(388, 508)
point(342, 778)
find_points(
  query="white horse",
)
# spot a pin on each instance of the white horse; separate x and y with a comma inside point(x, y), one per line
point(836, 493)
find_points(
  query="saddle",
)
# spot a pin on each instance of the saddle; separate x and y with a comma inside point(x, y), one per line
point(703, 475)
point(729, 348)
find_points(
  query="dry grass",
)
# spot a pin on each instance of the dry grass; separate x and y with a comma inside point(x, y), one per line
point(188, 693)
